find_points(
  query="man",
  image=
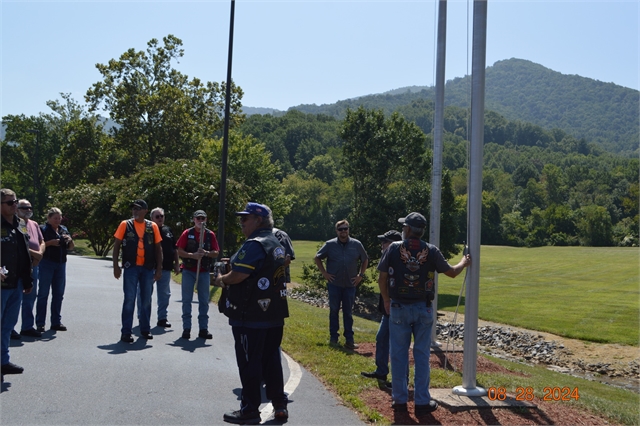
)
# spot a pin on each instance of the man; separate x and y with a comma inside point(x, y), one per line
point(170, 262)
point(290, 255)
point(196, 253)
point(141, 255)
point(256, 305)
point(15, 274)
point(407, 270)
point(36, 250)
point(343, 275)
point(382, 337)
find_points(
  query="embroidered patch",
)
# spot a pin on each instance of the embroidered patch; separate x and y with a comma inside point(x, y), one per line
point(391, 270)
point(264, 304)
point(278, 253)
point(392, 282)
point(413, 263)
point(241, 254)
point(263, 283)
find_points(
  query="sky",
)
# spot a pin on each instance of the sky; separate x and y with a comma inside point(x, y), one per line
point(287, 53)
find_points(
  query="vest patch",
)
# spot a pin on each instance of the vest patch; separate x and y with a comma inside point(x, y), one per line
point(263, 283)
point(278, 253)
point(264, 304)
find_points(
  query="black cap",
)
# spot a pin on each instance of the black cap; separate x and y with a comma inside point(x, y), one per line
point(390, 235)
point(414, 219)
point(140, 203)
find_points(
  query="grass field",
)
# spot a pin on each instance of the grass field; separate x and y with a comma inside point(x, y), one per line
point(588, 293)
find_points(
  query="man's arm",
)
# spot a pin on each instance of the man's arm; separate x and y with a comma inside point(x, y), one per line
point(383, 285)
point(233, 277)
point(116, 254)
point(455, 270)
point(327, 276)
point(158, 248)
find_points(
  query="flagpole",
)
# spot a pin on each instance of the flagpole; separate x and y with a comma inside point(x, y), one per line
point(225, 138)
point(474, 205)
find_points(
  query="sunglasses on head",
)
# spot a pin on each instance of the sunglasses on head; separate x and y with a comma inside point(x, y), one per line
point(10, 202)
point(343, 229)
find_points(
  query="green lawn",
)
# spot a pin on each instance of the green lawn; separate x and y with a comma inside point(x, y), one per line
point(588, 293)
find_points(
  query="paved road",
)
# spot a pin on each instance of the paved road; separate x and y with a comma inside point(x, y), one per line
point(86, 376)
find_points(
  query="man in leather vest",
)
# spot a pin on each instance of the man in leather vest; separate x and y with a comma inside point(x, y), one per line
point(15, 273)
point(194, 253)
point(141, 256)
point(407, 272)
point(256, 305)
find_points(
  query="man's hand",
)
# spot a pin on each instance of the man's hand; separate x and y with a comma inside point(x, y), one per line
point(357, 280)
point(158, 274)
point(27, 290)
point(117, 271)
point(329, 277)
point(387, 306)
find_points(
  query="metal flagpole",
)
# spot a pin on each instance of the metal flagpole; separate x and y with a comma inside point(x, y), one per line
point(225, 139)
point(474, 205)
point(436, 171)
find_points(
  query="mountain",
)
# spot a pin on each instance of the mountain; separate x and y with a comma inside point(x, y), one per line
point(517, 89)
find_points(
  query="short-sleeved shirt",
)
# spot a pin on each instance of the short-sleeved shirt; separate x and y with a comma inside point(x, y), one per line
point(285, 241)
point(140, 228)
point(436, 261)
point(342, 259)
point(35, 235)
point(182, 243)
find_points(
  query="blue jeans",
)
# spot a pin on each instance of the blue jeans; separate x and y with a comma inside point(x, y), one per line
point(409, 319)
point(28, 301)
point(338, 296)
point(188, 283)
point(53, 277)
point(382, 347)
point(164, 293)
point(11, 300)
point(133, 277)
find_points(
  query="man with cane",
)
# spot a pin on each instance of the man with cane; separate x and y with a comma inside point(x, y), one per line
point(198, 248)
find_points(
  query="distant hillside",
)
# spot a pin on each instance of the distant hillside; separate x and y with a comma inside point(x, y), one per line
point(599, 112)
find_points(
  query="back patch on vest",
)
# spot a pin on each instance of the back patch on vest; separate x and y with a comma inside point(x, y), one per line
point(264, 304)
point(413, 263)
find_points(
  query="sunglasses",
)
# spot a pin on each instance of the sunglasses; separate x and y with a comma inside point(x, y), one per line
point(158, 216)
point(244, 218)
point(343, 229)
point(25, 208)
point(136, 208)
point(9, 203)
point(201, 218)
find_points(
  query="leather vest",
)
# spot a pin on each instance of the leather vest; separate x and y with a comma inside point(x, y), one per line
point(16, 237)
point(192, 247)
point(410, 271)
point(130, 245)
point(168, 244)
point(263, 295)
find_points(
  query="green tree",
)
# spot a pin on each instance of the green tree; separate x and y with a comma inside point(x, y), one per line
point(159, 112)
point(594, 226)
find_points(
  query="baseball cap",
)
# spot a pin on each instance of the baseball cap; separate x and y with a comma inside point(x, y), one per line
point(140, 203)
point(390, 235)
point(414, 219)
point(199, 213)
point(255, 208)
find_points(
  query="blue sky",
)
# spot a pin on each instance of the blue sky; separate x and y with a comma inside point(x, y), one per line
point(291, 52)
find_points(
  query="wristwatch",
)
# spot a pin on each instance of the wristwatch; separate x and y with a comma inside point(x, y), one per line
point(361, 275)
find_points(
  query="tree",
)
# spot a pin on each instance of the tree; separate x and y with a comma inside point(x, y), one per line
point(159, 112)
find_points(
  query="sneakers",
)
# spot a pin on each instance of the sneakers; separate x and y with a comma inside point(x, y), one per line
point(186, 333)
point(281, 413)
point(374, 375)
point(59, 327)
point(11, 368)
point(351, 345)
point(15, 335)
point(399, 408)
point(204, 334)
point(147, 335)
point(126, 338)
point(422, 410)
point(163, 323)
point(240, 418)
point(31, 332)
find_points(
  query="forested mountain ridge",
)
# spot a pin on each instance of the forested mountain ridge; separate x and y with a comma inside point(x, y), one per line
point(517, 89)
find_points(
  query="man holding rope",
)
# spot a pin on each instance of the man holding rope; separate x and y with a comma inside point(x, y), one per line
point(197, 247)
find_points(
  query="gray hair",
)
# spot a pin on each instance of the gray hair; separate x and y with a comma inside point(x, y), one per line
point(416, 232)
point(23, 201)
point(267, 222)
point(157, 209)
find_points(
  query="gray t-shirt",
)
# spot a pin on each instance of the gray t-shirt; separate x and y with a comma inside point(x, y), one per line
point(342, 260)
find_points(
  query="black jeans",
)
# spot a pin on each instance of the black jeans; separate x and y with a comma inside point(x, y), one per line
point(258, 358)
